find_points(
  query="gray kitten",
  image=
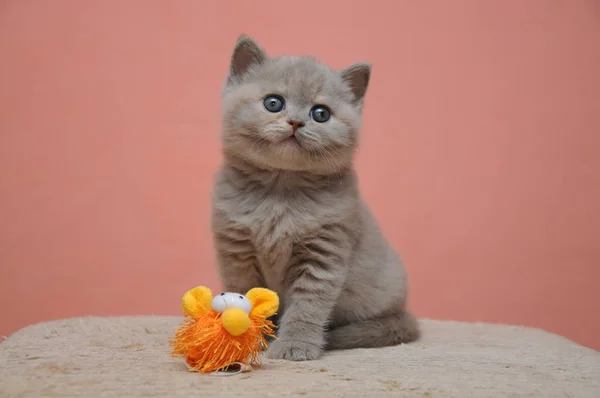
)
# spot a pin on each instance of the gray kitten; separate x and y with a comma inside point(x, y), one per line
point(287, 212)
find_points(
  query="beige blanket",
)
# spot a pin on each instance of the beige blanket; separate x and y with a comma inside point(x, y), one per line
point(129, 357)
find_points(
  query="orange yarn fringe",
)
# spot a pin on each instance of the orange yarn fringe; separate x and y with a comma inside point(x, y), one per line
point(208, 347)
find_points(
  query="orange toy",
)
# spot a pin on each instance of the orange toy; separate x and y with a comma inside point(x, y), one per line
point(225, 330)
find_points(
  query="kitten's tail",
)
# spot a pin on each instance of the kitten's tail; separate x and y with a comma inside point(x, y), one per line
point(380, 332)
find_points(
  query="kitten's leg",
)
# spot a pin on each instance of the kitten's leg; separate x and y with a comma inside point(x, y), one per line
point(400, 327)
point(313, 283)
point(236, 258)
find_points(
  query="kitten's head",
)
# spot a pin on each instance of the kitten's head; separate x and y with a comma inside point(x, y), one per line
point(291, 113)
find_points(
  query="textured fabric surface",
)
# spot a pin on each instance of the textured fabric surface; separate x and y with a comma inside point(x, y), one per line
point(129, 357)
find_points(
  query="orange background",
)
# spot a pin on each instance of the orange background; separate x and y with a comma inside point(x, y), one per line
point(480, 150)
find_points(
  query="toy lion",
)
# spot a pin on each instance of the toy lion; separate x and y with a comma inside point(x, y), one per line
point(227, 329)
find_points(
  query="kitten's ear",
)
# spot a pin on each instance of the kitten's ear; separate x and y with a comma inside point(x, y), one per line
point(245, 54)
point(357, 77)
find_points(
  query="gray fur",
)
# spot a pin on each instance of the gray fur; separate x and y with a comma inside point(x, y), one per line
point(288, 215)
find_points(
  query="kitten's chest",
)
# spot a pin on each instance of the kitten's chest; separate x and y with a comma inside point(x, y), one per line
point(274, 226)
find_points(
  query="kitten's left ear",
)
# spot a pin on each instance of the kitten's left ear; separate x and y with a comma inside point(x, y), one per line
point(245, 54)
point(357, 77)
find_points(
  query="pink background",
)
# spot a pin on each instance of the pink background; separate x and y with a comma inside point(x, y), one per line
point(480, 156)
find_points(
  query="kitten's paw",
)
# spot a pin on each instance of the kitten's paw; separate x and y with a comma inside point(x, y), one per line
point(293, 350)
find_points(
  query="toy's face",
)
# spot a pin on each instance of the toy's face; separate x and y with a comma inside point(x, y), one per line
point(257, 302)
point(226, 301)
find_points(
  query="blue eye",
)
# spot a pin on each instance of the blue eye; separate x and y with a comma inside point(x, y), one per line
point(320, 113)
point(274, 103)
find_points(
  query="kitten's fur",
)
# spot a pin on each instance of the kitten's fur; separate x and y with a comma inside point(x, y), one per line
point(287, 213)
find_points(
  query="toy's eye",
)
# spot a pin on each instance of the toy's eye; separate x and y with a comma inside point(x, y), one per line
point(225, 301)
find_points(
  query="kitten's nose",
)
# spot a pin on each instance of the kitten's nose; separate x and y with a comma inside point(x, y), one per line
point(295, 124)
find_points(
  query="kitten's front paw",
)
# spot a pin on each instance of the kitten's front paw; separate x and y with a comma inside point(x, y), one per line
point(293, 350)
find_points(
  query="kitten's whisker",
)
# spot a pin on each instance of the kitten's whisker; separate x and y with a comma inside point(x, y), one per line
point(329, 154)
point(257, 141)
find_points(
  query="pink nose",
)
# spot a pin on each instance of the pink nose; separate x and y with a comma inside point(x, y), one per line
point(295, 124)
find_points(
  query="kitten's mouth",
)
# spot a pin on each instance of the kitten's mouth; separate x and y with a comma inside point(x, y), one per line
point(292, 140)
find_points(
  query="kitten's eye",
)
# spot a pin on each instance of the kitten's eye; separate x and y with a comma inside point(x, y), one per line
point(320, 113)
point(274, 103)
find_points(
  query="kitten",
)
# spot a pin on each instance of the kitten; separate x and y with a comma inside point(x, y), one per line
point(287, 212)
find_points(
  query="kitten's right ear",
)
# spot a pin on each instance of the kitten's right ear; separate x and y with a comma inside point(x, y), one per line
point(246, 54)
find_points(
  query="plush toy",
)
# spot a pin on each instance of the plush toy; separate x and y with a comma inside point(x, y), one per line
point(224, 330)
